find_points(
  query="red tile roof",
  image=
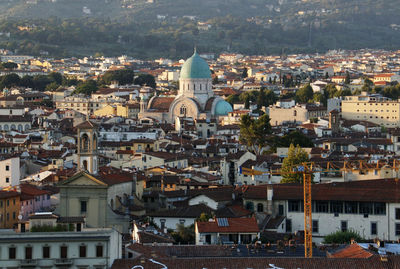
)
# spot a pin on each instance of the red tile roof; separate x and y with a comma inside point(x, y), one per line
point(351, 251)
point(235, 225)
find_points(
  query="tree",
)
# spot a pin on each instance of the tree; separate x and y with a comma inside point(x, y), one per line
point(296, 156)
point(8, 65)
point(215, 80)
point(87, 87)
point(304, 94)
point(204, 217)
point(340, 237)
point(232, 99)
point(294, 138)
point(56, 77)
point(184, 235)
point(123, 76)
point(347, 80)
point(254, 132)
point(9, 81)
point(244, 73)
point(145, 79)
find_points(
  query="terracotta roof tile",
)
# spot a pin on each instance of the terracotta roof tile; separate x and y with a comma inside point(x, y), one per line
point(235, 225)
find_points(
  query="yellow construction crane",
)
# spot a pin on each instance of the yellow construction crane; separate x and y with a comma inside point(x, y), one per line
point(307, 170)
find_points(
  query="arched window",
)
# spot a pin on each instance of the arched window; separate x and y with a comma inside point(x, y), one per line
point(85, 143)
point(13, 127)
point(183, 110)
point(260, 207)
point(20, 128)
point(26, 127)
point(6, 127)
point(250, 206)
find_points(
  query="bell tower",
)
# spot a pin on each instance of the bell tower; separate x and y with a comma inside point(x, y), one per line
point(87, 147)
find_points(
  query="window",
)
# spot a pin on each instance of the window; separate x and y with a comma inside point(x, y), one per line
point(343, 225)
point(63, 252)
point(182, 221)
point(12, 252)
point(28, 253)
point(46, 252)
point(260, 207)
point(294, 206)
point(13, 215)
point(280, 210)
point(350, 207)
point(83, 206)
point(315, 226)
point(379, 208)
point(7, 168)
point(162, 222)
point(336, 207)
point(7, 180)
point(374, 228)
point(82, 251)
point(366, 208)
point(321, 207)
point(288, 225)
point(397, 213)
point(99, 251)
point(183, 110)
point(397, 229)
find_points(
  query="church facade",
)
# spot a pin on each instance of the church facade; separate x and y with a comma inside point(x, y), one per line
point(195, 98)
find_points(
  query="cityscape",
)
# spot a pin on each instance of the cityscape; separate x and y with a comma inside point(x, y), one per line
point(208, 157)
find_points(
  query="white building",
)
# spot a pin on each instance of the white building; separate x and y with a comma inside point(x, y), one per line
point(90, 248)
point(371, 208)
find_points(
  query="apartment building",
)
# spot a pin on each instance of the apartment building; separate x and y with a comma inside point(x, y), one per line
point(372, 108)
point(10, 172)
point(87, 105)
point(369, 207)
point(89, 248)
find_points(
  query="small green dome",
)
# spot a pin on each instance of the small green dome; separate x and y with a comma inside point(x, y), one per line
point(222, 108)
point(195, 67)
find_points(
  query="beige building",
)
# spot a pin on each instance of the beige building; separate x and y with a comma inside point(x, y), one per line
point(279, 115)
point(378, 110)
point(85, 105)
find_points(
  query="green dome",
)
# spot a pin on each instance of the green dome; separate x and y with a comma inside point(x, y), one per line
point(195, 67)
point(222, 108)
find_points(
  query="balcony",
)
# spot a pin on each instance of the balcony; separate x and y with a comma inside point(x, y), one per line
point(63, 262)
point(28, 263)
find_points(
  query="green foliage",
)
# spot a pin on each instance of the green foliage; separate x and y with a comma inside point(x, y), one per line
point(340, 237)
point(145, 79)
point(204, 217)
point(304, 94)
point(8, 65)
point(184, 235)
point(232, 99)
point(123, 76)
point(254, 132)
point(9, 80)
point(392, 92)
point(347, 80)
point(87, 87)
point(296, 156)
point(293, 138)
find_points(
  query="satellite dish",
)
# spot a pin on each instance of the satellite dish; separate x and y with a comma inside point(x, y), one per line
point(20, 217)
